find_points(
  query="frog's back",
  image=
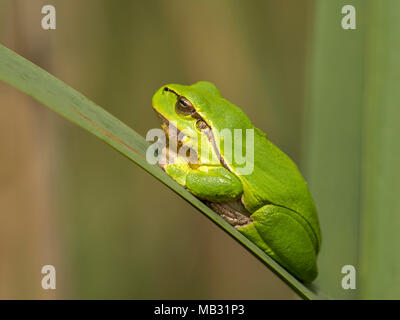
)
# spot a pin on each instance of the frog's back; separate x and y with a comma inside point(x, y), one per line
point(275, 177)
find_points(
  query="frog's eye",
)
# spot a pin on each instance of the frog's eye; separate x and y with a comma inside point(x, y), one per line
point(201, 124)
point(184, 106)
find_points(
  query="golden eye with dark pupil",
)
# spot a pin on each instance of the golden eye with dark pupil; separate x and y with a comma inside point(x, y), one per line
point(201, 125)
point(184, 106)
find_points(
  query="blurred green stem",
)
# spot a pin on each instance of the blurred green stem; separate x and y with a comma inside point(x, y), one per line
point(380, 203)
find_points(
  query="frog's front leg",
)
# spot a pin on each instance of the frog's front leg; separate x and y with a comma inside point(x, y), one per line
point(211, 183)
point(216, 185)
point(285, 236)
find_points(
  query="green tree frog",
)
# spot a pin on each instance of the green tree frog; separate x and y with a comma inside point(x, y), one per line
point(271, 205)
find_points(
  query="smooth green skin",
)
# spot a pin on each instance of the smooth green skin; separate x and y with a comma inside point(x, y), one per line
point(285, 223)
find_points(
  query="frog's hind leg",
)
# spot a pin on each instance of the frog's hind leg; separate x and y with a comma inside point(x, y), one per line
point(286, 237)
point(233, 216)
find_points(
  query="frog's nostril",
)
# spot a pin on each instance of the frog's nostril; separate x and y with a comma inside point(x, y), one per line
point(170, 90)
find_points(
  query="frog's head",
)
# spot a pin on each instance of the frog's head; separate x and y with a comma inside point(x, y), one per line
point(200, 114)
point(180, 106)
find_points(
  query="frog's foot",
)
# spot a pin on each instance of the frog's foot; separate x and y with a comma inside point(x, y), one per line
point(234, 217)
